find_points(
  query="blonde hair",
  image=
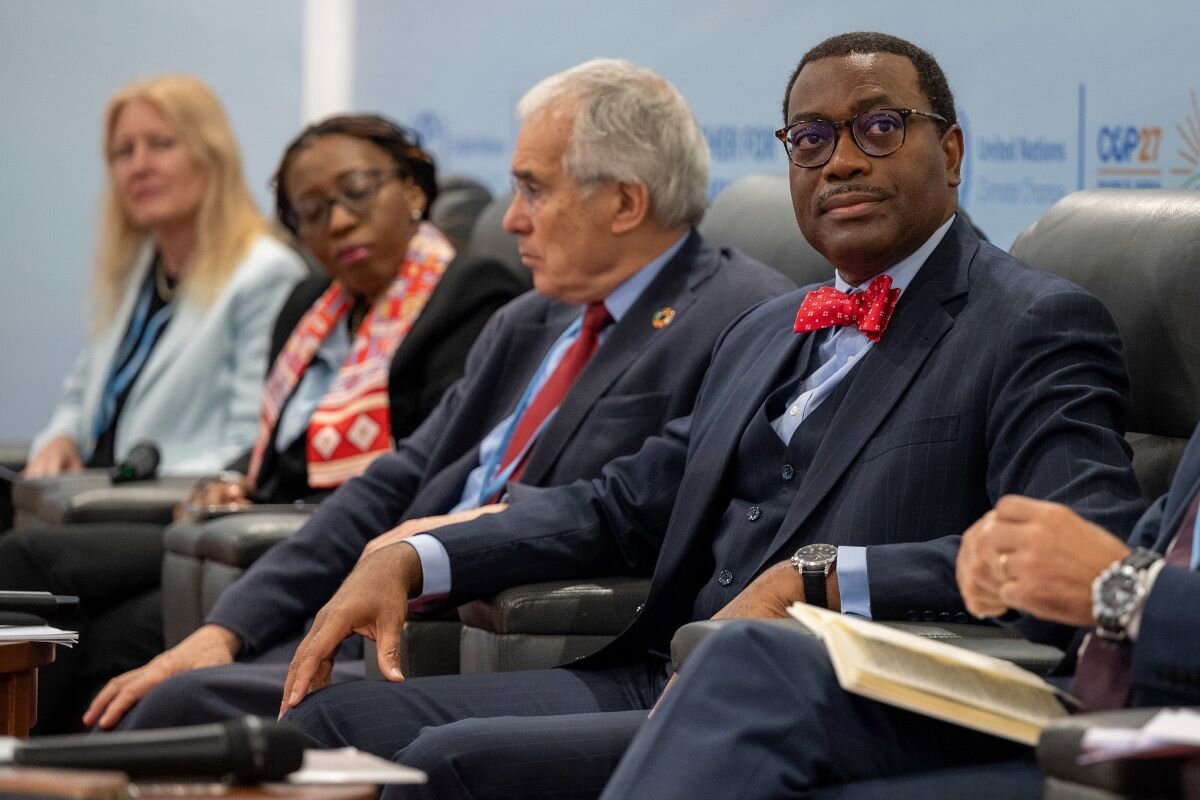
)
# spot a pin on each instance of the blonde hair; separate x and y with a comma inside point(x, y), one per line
point(228, 220)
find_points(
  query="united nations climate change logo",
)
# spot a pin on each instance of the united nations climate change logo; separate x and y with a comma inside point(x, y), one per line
point(1141, 157)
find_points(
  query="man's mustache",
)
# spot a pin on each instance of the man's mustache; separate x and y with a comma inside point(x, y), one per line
point(849, 188)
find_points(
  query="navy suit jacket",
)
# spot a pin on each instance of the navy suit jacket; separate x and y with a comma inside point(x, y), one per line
point(1166, 656)
point(992, 378)
point(638, 380)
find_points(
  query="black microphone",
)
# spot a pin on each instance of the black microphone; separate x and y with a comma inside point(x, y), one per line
point(36, 608)
point(140, 465)
point(250, 750)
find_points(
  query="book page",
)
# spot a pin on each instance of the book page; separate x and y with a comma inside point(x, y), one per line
point(934, 678)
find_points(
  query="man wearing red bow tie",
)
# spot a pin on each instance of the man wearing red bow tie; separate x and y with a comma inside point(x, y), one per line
point(844, 439)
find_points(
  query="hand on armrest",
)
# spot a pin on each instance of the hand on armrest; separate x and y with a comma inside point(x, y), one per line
point(225, 491)
point(59, 455)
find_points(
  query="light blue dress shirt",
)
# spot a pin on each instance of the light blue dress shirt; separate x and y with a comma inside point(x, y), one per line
point(314, 384)
point(842, 349)
point(479, 488)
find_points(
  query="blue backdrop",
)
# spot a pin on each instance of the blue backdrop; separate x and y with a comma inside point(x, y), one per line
point(1054, 96)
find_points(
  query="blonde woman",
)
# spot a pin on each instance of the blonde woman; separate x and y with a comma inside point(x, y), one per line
point(188, 283)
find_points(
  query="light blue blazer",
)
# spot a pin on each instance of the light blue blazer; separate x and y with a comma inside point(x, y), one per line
point(198, 395)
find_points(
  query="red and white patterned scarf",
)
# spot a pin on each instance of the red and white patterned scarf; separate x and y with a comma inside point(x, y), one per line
point(351, 426)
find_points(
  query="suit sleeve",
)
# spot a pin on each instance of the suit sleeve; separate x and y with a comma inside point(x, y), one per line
point(1166, 656)
point(68, 414)
point(612, 525)
point(290, 583)
point(1056, 410)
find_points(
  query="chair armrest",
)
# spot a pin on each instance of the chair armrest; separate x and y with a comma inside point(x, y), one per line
point(990, 640)
point(90, 496)
point(602, 607)
point(13, 455)
point(1061, 743)
point(235, 540)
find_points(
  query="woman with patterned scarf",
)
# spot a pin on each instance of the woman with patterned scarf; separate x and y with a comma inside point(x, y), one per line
point(397, 318)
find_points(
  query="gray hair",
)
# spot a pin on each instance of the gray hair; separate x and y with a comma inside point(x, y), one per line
point(630, 125)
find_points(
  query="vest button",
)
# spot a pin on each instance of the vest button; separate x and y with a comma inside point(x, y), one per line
point(754, 513)
point(788, 472)
point(725, 578)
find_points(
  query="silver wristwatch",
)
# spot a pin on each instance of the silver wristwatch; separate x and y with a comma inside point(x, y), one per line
point(814, 562)
point(1118, 593)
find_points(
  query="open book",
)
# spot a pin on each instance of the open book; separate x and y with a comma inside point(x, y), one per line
point(934, 678)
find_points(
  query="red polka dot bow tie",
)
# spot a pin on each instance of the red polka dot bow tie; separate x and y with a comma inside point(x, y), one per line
point(870, 310)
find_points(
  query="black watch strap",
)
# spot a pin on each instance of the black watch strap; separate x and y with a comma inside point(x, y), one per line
point(814, 588)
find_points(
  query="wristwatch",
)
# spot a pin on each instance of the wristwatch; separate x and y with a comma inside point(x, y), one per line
point(1118, 593)
point(814, 562)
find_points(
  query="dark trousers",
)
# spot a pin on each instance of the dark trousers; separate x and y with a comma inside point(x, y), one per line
point(758, 713)
point(555, 733)
point(216, 694)
point(115, 570)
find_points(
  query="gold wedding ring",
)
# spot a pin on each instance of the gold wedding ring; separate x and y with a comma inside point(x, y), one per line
point(1004, 567)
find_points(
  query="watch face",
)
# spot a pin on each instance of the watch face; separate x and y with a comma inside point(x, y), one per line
point(1119, 591)
point(815, 555)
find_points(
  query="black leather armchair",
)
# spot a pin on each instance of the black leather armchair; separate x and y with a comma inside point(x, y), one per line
point(1137, 250)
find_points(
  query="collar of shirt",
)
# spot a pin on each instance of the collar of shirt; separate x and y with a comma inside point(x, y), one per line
point(624, 296)
point(904, 270)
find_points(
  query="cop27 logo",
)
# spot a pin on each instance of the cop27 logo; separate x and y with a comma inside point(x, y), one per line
point(1147, 156)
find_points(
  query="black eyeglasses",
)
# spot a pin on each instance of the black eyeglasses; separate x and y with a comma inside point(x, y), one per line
point(879, 132)
point(356, 193)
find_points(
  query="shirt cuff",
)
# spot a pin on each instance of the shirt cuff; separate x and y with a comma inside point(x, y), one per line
point(435, 569)
point(1135, 624)
point(853, 585)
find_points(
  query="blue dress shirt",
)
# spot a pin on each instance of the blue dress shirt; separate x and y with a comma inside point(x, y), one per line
point(314, 384)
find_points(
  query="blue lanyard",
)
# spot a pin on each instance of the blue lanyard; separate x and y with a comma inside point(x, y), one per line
point(132, 355)
point(491, 486)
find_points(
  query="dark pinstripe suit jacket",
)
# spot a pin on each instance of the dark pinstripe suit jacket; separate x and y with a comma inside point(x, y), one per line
point(992, 378)
point(642, 377)
point(1166, 658)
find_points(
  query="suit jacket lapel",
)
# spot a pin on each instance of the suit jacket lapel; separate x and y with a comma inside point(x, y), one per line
point(919, 322)
point(674, 287)
point(1170, 525)
point(106, 345)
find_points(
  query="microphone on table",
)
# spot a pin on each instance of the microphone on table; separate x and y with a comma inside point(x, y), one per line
point(141, 464)
point(250, 750)
point(36, 608)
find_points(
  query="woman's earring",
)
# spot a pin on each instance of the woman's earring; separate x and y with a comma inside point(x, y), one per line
point(415, 214)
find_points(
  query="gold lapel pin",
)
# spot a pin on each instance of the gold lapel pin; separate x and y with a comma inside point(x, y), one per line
point(662, 318)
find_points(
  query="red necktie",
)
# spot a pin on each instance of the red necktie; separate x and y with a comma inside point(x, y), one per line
point(870, 310)
point(1103, 677)
point(556, 386)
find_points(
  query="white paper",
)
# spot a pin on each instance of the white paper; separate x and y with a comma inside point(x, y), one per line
point(37, 633)
point(347, 765)
point(1170, 731)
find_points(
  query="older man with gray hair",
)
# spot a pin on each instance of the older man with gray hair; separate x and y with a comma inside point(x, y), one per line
point(610, 175)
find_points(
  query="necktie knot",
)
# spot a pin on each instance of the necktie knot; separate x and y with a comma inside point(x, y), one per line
point(868, 310)
point(595, 318)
